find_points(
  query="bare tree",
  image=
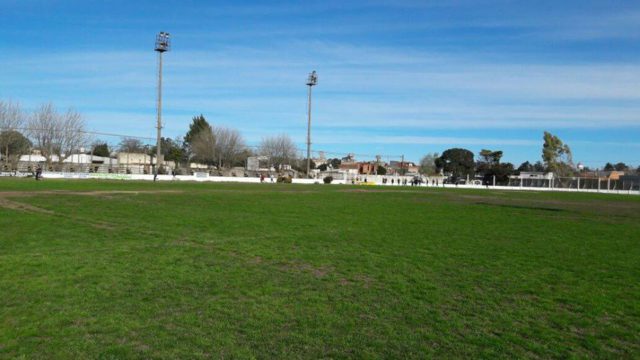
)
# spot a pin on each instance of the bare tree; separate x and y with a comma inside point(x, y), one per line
point(428, 164)
point(56, 134)
point(280, 149)
point(72, 133)
point(229, 146)
point(131, 145)
point(203, 146)
point(11, 123)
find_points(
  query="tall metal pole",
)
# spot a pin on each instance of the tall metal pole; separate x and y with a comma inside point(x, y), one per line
point(162, 44)
point(311, 81)
point(309, 133)
point(159, 126)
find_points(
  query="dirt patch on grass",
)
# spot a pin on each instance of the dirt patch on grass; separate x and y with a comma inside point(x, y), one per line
point(11, 194)
point(27, 208)
point(13, 205)
point(360, 279)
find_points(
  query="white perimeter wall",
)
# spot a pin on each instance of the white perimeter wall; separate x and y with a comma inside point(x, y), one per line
point(202, 177)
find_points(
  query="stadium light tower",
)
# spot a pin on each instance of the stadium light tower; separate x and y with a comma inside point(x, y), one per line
point(162, 44)
point(311, 81)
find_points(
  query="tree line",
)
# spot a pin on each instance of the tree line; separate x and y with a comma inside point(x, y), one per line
point(58, 134)
point(54, 133)
point(225, 147)
point(460, 163)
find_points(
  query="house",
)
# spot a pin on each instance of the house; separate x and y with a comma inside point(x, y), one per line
point(533, 175)
point(367, 168)
point(611, 175)
point(320, 160)
point(531, 178)
point(403, 167)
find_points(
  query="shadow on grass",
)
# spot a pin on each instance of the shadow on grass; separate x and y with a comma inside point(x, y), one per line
point(522, 207)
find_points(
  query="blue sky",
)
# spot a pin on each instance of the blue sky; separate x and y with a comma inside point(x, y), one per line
point(395, 77)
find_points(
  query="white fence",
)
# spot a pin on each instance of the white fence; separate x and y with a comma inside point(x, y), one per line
point(205, 177)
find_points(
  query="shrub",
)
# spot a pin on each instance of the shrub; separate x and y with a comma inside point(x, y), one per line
point(284, 179)
point(328, 179)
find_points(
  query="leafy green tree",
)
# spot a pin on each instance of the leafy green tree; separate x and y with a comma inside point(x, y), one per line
point(528, 167)
point(428, 164)
point(489, 166)
point(300, 165)
point(171, 150)
point(621, 166)
point(556, 155)
point(13, 144)
point(101, 149)
point(538, 166)
point(525, 167)
point(488, 160)
point(458, 162)
point(335, 163)
point(382, 170)
point(609, 167)
point(490, 157)
point(501, 171)
point(198, 125)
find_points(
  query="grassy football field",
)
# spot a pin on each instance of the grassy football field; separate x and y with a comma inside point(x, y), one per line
point(100, 269)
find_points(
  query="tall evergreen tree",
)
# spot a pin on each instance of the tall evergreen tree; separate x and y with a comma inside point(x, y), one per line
point(198, 124)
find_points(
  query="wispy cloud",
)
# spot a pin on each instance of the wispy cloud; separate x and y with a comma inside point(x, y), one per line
point(359, 86)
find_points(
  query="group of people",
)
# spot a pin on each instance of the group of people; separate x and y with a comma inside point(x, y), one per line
point(403, 182)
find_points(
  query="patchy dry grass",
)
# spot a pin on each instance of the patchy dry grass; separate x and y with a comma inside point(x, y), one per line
point(99, 269)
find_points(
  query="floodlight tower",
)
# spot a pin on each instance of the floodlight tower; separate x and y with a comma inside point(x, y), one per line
point(311, 81)
point(162, 44)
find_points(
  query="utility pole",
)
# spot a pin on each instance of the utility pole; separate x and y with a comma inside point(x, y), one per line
point(162, 45)
point(311, 81)
point(402, 165)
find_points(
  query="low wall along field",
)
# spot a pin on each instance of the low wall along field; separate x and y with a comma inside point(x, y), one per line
point(361, 180)
point(185, 269)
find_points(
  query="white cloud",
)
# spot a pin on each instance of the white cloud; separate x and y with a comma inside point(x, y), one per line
point(360, 86)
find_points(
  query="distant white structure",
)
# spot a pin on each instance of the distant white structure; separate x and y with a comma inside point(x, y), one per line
point(258, 163)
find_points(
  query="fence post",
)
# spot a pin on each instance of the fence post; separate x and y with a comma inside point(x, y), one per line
point(608, 184)
point(494, 180)
point(578, 188)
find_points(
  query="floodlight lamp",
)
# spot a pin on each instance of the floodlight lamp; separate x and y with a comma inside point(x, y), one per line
point(313, 79)
point(162, 42)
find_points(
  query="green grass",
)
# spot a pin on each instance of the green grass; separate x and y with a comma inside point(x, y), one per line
point(190, 270)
